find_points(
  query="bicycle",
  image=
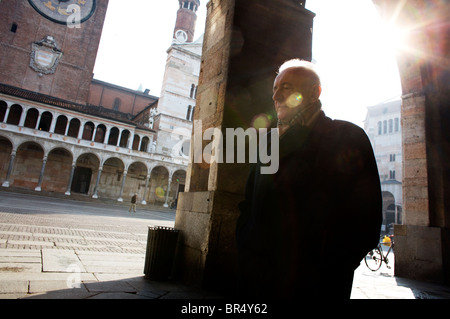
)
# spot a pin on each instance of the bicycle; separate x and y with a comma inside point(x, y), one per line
point(375, 257)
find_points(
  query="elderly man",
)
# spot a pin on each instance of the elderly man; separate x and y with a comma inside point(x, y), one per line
point(304, 230)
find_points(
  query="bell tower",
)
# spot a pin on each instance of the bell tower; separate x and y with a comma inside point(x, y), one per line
point(186, 18)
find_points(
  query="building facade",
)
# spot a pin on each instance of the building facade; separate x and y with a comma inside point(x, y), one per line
point(383, 126)
point(61, 131)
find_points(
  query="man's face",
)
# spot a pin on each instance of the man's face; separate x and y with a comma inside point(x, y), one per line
point(291, 91)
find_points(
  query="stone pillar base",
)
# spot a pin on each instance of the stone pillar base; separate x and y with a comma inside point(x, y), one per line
point(420, 253)
point(206, 255)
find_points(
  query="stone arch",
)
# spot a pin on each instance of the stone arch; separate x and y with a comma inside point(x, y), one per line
point(15, 112)
point(124, 137)
point(74, 127)
point(31, 118)
point(83, 177)
point(61, 124)
point(88, 131)
point(144, 144)
point(27, 165)
point(57, 170)
point(113, 136)
point(177, 184)
point(100, 133)
point(111, 179)
point(135, 183)
point(136, 141)
point(45, 121)
point(158, 185)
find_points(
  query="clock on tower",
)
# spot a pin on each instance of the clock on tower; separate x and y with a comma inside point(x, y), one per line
point(186, 18)
point(65, 11)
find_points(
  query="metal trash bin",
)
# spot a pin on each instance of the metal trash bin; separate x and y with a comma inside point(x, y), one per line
point(160, 252)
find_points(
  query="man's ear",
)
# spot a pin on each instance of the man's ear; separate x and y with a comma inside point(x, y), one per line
point(315, 92)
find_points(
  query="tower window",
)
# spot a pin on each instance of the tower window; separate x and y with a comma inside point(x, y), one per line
point(188, 115)
point(391, 174)
point(186, 5)
point(192, 91)
point(14, 27)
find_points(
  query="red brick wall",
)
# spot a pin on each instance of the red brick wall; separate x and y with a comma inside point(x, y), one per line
point(103, 94)
point(73, 75)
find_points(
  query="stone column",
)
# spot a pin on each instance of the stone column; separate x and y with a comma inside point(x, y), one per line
point(23, 116)
point(124, 177)
point(99, 174)
point(38, 120)
point(81, 130)
point(422, 243)
point(244, 44)
point(166, 204)
point(69, 185)
point(8, 108)
point(67, 126)
point(53, 125)
point(107, 131)
point(41, 176)
point(10, 167)
point(147, 179)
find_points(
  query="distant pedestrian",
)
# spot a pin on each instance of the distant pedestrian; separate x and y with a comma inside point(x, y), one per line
point(133, 203)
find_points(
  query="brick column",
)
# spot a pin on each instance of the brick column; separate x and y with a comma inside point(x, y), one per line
point(244, 44)
point(422, 243)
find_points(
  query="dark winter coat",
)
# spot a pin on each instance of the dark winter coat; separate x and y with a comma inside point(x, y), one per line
point(303, 230)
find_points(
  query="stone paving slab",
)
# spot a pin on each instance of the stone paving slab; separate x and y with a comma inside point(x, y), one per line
point(61, 261)
point(13, 287)
point(41, 276)
point(38, 286)
point(21, 267)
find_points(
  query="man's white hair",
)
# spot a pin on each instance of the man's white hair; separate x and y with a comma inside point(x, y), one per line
point(304, 65)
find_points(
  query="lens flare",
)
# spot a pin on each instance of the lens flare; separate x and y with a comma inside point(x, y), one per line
point(294, 100)
point(159, 192)
point(261, 121)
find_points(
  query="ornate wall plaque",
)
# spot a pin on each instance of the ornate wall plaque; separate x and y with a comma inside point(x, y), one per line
point(45, 55)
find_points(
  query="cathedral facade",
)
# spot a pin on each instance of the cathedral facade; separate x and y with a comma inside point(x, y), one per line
point(62, 131)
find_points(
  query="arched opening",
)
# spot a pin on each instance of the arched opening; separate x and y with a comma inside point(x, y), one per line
point(45, 122)
point(124, 138)
point(61, 125)
point(136, 141)
point(135, 183)
point(27, 165)
point(88, 131)
point(113, 136)
point(31, 118)
point(100, 133)
point(177, 186)
point(388, 212)
point(15, 112)
point(111, 178)
point(158, 185)
point(57, 170)
point(82, 177)
point(144, 144)
point(74, 128)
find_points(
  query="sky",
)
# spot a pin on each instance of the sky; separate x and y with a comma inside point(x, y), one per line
point(353, 50)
